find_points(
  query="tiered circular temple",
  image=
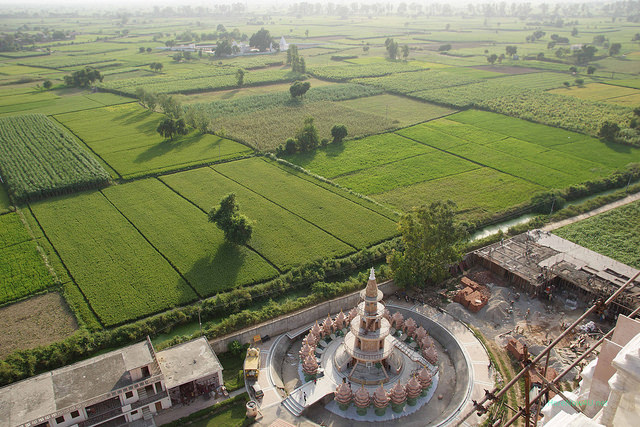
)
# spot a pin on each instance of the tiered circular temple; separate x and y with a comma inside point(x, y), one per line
point(368, 341)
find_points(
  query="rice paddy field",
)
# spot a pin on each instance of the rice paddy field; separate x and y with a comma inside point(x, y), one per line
point(466, 155)
point(143, 245)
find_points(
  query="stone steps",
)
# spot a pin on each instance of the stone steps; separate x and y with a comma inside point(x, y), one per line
point(293, 406)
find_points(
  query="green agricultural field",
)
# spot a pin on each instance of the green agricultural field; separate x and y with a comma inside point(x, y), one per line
point(401, 110)
point(56, 101)
point(539, 80)
point(615, 234)
point(351, 156)
point(38, 158)
point(349, 71)
point(22, 270)
point(232, 94)
point(355, 224)
point(603, 92)
point(271, 128)
point(121, 275)
point(478, 193)
point(125, 138)
point(424, 167)
point(632, 83)
point(282, 237)
point(5, 203)
point(422, 80)
point(195, 246)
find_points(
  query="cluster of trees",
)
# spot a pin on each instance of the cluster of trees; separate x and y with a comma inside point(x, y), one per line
point(262, 40)
point(296, 60)
point(431, 241)
point(142, 49)
point(393, 49)
point(537, 35)
point(21, 40)
point(83, 78)
point(630, 135)
point(169, 127)
point(298, 88)
point(307, 138)
point(237, 228)
point(156, 66)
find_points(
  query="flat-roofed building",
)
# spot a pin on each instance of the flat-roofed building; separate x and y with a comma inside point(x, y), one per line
point(116, 388)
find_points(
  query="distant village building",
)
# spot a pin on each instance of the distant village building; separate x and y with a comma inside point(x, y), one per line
point(283, 44)
point(115, 388)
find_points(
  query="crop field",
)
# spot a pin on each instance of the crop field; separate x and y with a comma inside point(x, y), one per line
point(38, 159)
point(478, 193)
point(420, 80)
point(467, 95)
point(604, 92)
point(22, 271)
point(632, 83)
point(282, 237)
point(615, 233)
point(374, 69)
point(125, 138)
point(120, 274)
point(355, 224)
point(56, 102)
point(5, 203)
point(195, 246)
point(538, 80)
point(274, 126)
point(178, 84)
point(233, 94)
point(403, 111)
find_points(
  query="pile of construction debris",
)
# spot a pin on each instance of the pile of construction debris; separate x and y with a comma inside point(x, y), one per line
point(472, 296)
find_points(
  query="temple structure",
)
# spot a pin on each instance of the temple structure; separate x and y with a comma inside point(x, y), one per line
point(368, 341)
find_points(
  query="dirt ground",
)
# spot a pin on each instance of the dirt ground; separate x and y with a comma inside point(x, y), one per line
point(36, 321)
point(510, 313)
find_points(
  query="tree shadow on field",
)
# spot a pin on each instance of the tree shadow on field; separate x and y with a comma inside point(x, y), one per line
point(218, 270)
point(130, 118)
point(334, 149)
point(618, 148)
point(167, 146)
point(230, 94)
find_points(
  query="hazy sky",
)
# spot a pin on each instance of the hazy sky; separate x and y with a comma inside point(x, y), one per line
point(147, 4)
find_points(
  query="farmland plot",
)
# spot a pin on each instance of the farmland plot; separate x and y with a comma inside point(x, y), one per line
point(38, 159)
point(182, 233)
point(352, 223)
point(604, 92)
point(22, 270)
point(282, 237)
point(125, 138)
point(615, 234)
point(122, 276)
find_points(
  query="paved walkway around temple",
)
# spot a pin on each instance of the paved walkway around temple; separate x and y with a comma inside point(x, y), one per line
point(483, 378)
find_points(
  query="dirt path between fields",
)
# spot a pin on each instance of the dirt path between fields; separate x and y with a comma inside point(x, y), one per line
point(629, 199)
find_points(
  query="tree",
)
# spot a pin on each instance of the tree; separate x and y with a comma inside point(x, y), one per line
point(392, 48)
point(83, 78)
point(223, 48)
point(492, 58)
point(614, 49)
point(261, 40)
point(178, 56)
point(156, 66)
point(197, 119)
point(149, 50)
point(170, 106)
point(141, 49)
point(338, 132)
point(591, 69)
point(290, 147)
point(240, 77)
point(169, 127)
point(431, 241)
point(307, 137)
point(579, 82)
point(405, 52)
point(444, 48)
point(608, 131)
point(584, 54)
point(511, 50)
point(574, 32)
point(47, 84)
point(237, 228)
point(297, 89)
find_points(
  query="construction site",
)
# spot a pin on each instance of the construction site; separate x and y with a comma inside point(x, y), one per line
point(552, 305)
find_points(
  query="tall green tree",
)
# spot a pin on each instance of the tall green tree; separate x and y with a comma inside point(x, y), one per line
point(169, 127)
point(236, 227)
point(261, 40)
point(240, 77)
point(297, 89)
point(392, 48)
point(431, 240)
point(307, 137)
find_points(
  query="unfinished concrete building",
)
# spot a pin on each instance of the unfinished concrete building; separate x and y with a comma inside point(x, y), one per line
point(543, 264)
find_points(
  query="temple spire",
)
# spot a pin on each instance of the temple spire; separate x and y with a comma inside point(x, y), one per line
point(372, 285)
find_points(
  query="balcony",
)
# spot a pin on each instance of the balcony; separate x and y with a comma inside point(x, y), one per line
point(149, 399)
point(96, 419)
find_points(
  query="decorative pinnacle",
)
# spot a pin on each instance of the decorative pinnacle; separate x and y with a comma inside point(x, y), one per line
point(372, 276)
